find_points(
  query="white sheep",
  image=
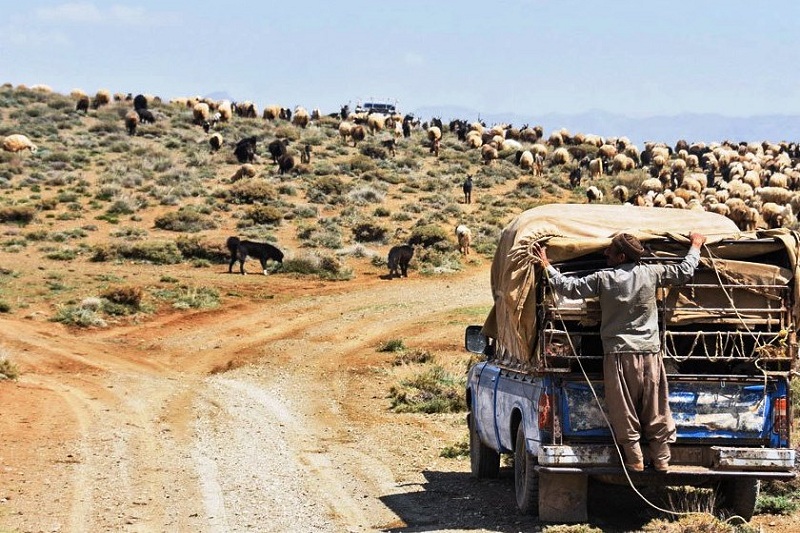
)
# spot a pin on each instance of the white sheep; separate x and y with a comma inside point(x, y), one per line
point(271, 112)
point(620, 192)
point(200, 112)
point(593, 194)
point(434, 133)
point(651, 184)
point(464, 236)
point(345, 129)
point(474, 139)
point(560, 156)
point(300, 117)
point(17, 142)
point(511, 144)
point(525, 159)
point(777, 195)
point(225, 111)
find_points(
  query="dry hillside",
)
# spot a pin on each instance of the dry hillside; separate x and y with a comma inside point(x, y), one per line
point(156, 392)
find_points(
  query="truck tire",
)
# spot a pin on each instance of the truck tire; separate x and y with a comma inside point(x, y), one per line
point(484, 461)
point(737, 496)
point(526, 479)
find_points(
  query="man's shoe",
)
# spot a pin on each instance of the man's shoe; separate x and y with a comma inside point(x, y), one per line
point(661, 467)
point(635, 467)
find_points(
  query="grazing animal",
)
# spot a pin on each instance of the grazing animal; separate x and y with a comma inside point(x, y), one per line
point(391, 145)
point(467, 188)
point(83, 104)
point(305, 156)
point(277, 148)
point(215, 141)
point(240, 250)
point(17, 142)
point(245, 150)
point(285, 163)
point(593, 194)
point(131, 122)
point(140, 102)
point(464, 236)
point(399, 258)
point(145, 115)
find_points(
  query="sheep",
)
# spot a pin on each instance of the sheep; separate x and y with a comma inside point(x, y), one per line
point(560, 156)
point(622, 162)
point(596, 167)
point(776, 216)
point(285, 163)
point(245, 171)
point(82, 104)
point(777, 195)
point(300, 117)
point(620, 192)
point(131, 121)
point(102, 97)
point(779, 180)
point(511, 144)
point(246, 109)
point(488, 153)
point(225, 110)
point(215, 141)
point(17, 142)
point(272, 112)
point(473, 139)
point(593, 194)
point(434, 133)
point(555, 140)
point(345, 129)
point(200, 113)
point(358, 133)
point(376, 122)
point(464, 236)
point(525, 159)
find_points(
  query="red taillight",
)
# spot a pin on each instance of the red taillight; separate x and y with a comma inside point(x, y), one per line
point(545, 411)
point(780, 418)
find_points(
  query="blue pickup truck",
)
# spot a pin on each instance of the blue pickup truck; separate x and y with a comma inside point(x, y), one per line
point(728, 342)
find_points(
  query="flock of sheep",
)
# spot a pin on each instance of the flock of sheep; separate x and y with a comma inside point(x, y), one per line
point(755, 184)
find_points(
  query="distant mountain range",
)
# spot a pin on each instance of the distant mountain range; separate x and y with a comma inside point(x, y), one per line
point(693, 127)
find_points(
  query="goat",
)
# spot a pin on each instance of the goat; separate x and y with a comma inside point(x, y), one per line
point(262, 251)
point(398, 260)
point(467, 188)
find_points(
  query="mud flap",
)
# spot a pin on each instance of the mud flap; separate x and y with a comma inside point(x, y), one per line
point(563, 497)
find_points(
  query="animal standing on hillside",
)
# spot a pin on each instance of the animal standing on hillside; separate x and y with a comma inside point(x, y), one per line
point(464, 236)
point(17, 142)
point(245, 150)
point(467, 188)
point(398, 260)
point(240, 250)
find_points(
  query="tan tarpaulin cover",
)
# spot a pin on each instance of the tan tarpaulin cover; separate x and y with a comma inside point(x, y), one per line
point(574, 230)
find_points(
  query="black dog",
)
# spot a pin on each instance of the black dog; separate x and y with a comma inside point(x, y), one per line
point(399, 257)
point(260, 250)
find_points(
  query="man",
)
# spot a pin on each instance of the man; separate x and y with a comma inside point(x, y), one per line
point(635, 381)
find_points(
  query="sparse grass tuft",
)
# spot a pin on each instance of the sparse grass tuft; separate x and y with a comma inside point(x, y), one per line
point(433, 390)
point(392, 345)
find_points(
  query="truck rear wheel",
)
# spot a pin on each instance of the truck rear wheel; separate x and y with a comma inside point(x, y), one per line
point(484, 461)
point(737, 496)
point(526, 479)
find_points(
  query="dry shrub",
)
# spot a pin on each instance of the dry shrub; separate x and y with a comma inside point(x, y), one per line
point(127, 296)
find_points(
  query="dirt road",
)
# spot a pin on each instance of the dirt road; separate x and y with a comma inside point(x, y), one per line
point(267, 414)
point(138, 428)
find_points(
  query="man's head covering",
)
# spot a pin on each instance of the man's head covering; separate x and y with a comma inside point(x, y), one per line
point(629, 245)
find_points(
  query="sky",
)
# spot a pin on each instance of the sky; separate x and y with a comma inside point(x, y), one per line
point(640, 59)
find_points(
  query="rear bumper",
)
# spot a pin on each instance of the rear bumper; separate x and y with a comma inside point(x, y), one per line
point(714, 461)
